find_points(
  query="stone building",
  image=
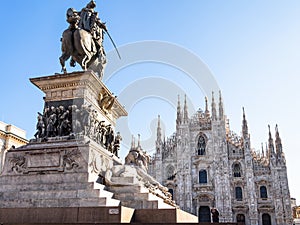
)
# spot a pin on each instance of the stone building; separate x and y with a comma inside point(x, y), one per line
point(205, 165)
point(10, 137)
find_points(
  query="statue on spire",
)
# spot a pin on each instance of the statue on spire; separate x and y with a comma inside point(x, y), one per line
point(270, 143)
point(278, 143)
point(221, 108)
point(245, 125)
point(179, 114)
point(185, 111)
point(213, 108)
point(206, 108)
point(158, 133)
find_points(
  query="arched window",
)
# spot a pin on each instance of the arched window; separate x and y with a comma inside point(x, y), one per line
point(170, 173)
point(201, 145)
point(237, 172)
point(263, 192)
point(238, 194)
point(203, 177)
point(266, 219)
point(240, 218)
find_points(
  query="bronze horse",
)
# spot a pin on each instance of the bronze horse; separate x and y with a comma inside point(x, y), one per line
point(78, 43)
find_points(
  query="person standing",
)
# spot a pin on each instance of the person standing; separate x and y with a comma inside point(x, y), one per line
point(215, 215)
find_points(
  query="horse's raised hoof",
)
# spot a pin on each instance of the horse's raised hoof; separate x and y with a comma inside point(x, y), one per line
point(64, 70)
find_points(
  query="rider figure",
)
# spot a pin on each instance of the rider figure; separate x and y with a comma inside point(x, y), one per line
point(90, 22)
point(83, 40)
point(73, 18)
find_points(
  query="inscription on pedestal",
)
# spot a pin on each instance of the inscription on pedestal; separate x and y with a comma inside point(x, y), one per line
point(44, 160)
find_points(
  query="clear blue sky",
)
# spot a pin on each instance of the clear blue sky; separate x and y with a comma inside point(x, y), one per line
point(251, 47)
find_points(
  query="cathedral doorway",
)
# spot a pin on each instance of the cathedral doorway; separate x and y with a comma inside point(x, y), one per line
point(204, 214)
point(171, 192)
point(240, 218)
point(266, 219)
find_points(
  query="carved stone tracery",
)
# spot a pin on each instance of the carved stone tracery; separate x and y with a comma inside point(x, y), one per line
point(18, 163)
point(70, 159)
point(42, 162)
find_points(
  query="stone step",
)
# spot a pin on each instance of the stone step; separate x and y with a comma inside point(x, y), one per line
point(10, 195)
point(128, 189)
point(48, 187)
point(130, 180)
point(28, 192)
point(148, 197)
point(142, 201)
point(102, 190)
point(140, 196)
point(52, 186)
point(112, 202)
point(153, 197)
point(91, 202)
point(150, 204)
point(163, 205)
point(156, 204)
point(98, 186)
point(44, 178)
point(62, 202)
point(140, 204)
point(106, 194)
point(88, 186)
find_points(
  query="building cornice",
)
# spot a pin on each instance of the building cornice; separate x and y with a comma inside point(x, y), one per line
point(8, 135)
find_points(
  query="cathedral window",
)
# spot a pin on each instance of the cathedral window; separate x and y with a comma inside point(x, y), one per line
point(237, 170)
point(203, 177)
point(170, 173)
point(201, 145)
point(263, 192)
point(266, 219)
point(238, 194)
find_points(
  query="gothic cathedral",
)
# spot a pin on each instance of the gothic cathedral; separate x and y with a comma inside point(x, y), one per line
point(205, 165)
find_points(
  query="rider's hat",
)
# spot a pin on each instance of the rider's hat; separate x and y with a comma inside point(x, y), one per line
point(91, 4)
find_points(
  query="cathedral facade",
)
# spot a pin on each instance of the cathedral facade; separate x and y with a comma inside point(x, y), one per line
point(205, 165)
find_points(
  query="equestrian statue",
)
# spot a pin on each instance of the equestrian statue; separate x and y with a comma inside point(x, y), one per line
point(83, 40)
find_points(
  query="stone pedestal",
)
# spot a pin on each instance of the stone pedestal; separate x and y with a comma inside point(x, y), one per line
point(65, 166)
point(70, 173)
point(61, 167)
point(56, 174)
point(79, 88)
point(136, 189)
